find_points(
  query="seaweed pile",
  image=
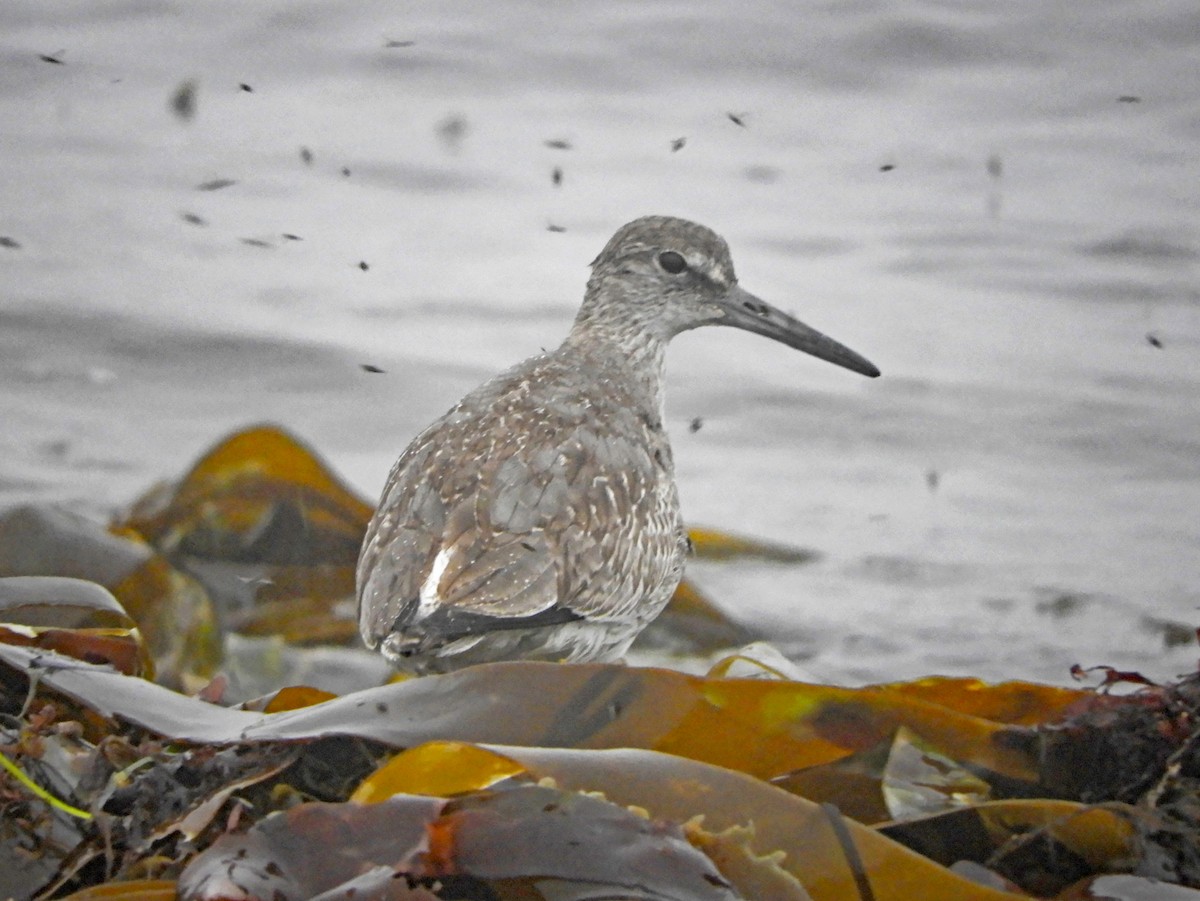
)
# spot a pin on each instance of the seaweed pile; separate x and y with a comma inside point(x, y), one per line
point(132, 769)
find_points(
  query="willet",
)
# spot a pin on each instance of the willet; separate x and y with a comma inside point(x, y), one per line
point(538, 519)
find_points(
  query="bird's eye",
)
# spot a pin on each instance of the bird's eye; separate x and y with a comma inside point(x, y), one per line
point(672, 262)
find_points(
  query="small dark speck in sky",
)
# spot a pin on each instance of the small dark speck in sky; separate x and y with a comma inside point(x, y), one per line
point(183, 101)
point(367, 367)
point(215, 184)
point(452, 131)
point(1153, 340)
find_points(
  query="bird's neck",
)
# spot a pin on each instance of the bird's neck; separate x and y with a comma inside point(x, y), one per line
point(635, 356)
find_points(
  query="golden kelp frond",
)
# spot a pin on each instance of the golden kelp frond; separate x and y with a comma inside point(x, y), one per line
point(258, 495)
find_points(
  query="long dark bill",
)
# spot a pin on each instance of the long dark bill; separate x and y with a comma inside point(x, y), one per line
point(745, 311)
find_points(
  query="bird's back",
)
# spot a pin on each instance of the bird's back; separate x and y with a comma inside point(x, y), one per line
point(537, 518)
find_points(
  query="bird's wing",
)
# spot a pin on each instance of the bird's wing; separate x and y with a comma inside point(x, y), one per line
point(476, 523)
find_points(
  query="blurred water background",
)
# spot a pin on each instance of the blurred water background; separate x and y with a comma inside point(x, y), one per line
point(995, 202)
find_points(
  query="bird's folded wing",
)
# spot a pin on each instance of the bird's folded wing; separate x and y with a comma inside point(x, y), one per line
point(515, 534)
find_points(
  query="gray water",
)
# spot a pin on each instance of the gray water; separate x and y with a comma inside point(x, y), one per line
point(995, 202)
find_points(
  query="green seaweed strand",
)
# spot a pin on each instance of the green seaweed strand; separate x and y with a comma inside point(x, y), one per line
point(19, 775)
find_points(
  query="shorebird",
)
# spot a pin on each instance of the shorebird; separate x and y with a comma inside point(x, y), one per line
point(538, 518)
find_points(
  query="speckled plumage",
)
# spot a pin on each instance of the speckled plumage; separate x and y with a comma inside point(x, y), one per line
point(539, 517)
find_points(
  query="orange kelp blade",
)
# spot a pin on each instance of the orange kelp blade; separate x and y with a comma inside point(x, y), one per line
point(759, 727)
point(258, 495)
point(74, 617)
point(713, 544)
point(1013, 703)
point(178, 619)
point(437, 768)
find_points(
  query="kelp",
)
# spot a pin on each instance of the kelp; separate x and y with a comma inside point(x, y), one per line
point(259, 495)
point(518, 780)
point(713, 544)
point(175, 618)
point(764, 728)
point(74, 617)
point(655, 741)
point(526, 841)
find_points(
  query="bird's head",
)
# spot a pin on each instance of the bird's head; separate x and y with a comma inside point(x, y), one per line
point(660, 276)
